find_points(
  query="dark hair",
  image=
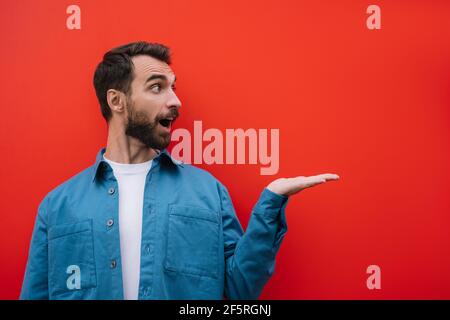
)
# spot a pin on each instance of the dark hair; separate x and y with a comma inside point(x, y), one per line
point(115, 71)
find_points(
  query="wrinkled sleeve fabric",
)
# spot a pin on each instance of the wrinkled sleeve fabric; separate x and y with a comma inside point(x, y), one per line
point(250, 256)
point(35, 282)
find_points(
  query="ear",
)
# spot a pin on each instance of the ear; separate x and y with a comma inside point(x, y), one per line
point(116, 100)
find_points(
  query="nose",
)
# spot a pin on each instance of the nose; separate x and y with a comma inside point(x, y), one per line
point(173, 101)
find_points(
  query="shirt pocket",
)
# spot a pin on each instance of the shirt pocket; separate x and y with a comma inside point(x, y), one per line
point(71, 257)
point(192, 241)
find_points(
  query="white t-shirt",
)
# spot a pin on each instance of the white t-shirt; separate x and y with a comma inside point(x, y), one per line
point(131, 180)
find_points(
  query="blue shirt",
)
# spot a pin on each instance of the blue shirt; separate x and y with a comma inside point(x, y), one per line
point(193, 246)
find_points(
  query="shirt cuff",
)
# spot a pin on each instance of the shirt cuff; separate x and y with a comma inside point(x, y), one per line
point(270, 203)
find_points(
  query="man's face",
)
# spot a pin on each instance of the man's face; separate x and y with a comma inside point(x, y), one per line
point(153, 105)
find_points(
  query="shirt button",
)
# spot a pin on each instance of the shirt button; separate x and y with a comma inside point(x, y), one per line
point(113, 264)
point(111, 190)
point(110, 222)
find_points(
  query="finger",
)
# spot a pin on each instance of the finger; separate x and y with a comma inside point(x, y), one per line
point(318, 181)
point(312, 181)
point(301, 182)
point(308, 181)
point(328, 176)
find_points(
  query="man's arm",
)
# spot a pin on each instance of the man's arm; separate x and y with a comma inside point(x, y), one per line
point(250, 256)
point(35, 282)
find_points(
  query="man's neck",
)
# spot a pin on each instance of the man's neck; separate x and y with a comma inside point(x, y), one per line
point(125, 149)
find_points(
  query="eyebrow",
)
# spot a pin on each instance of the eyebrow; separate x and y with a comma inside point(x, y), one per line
point(159, 76)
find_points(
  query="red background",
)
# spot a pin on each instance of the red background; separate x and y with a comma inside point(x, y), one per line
point(369, 105)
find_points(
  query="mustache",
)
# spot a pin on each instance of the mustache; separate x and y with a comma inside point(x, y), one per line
point(174, 113)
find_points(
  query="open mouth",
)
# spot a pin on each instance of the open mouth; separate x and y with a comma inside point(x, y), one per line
point(165, 122)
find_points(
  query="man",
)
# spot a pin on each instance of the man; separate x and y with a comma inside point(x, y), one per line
point(139, 224)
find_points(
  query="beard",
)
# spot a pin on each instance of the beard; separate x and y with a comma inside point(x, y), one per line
point(139, 126)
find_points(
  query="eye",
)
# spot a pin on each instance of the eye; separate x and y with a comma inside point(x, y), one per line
point(156, 88)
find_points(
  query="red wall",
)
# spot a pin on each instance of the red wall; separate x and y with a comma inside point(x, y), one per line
point(370, 105)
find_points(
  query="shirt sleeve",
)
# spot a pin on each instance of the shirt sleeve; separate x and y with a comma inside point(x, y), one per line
point(250, 256)
point(35, 282)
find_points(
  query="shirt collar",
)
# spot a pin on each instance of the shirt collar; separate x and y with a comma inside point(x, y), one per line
point(99, 161)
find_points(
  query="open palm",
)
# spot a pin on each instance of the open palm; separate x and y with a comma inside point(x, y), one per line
point(290, 186)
